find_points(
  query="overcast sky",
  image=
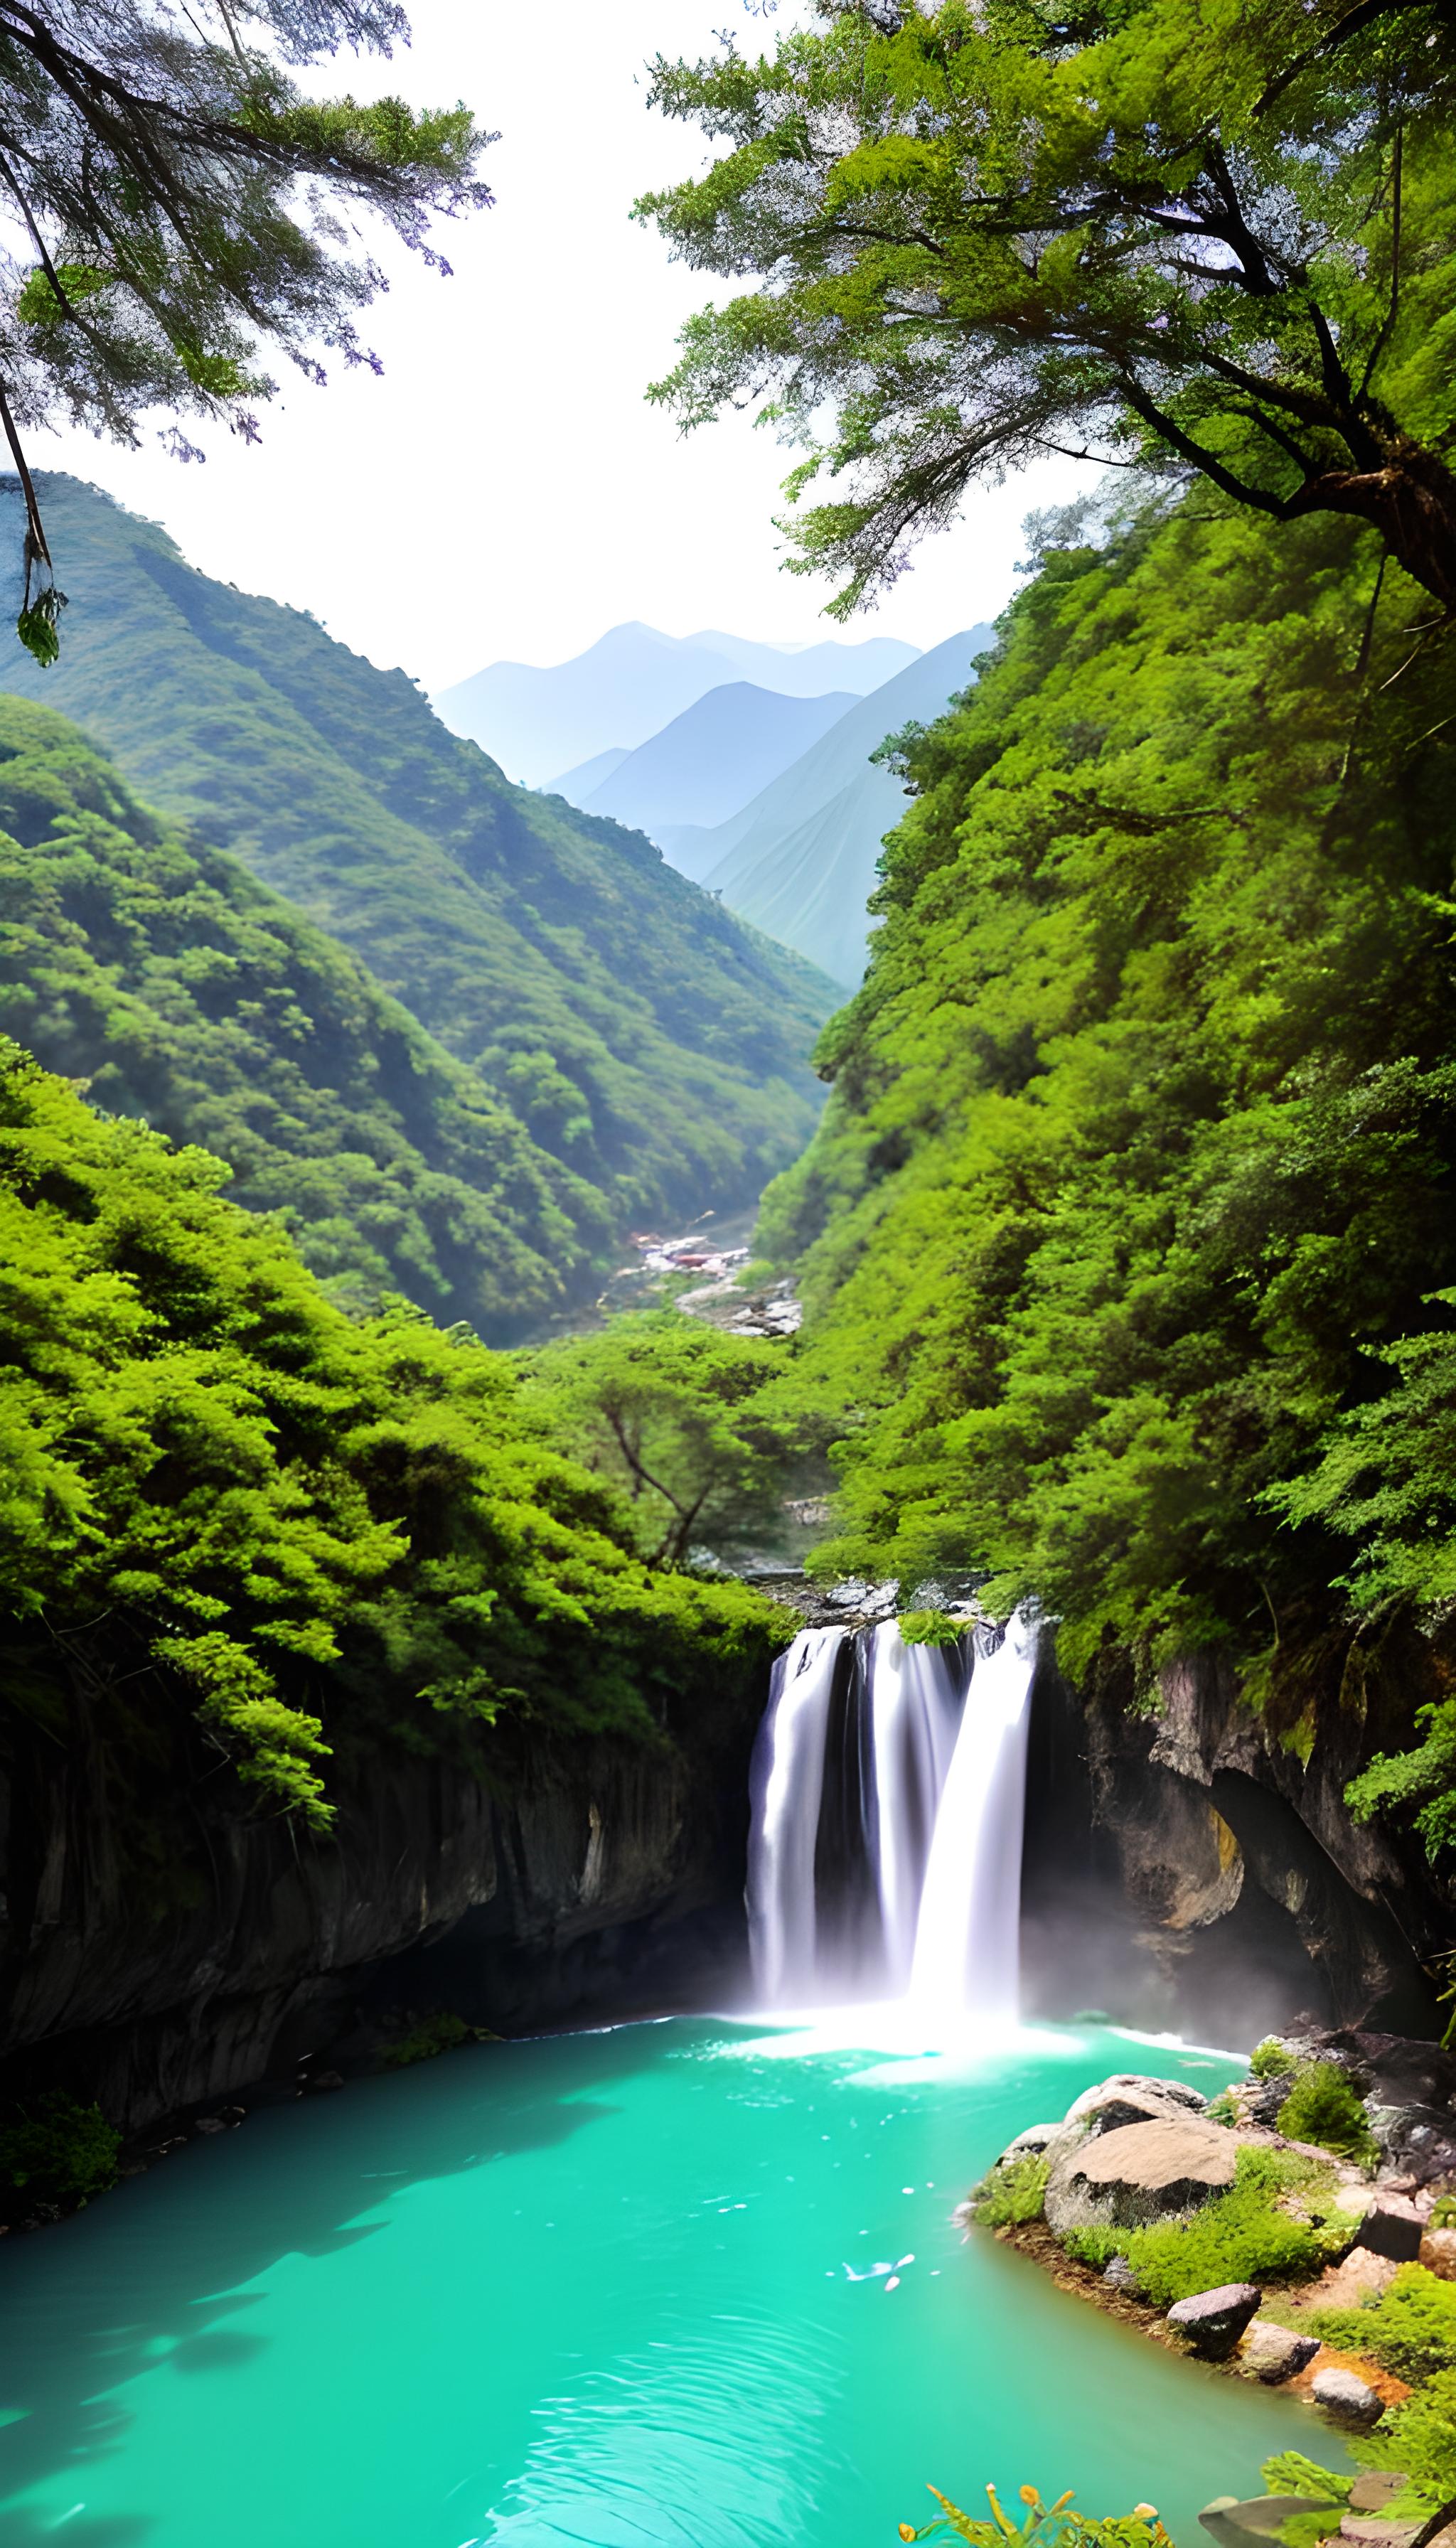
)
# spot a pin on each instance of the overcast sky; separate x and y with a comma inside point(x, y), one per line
point(503, 491)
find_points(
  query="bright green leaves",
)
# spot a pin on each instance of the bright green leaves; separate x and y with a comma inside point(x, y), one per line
point(980, 235)
point(40, 306)
point(1129, 1193)
point(217, 1483)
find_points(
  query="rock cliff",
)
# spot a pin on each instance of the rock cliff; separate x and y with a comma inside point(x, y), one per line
point(1191, 1863)
point(161, 1948)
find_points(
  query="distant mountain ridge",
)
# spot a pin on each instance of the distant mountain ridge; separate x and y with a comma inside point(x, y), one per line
point(625, 1022)
point(537, 721)
point(800, 862)
point(714, 757)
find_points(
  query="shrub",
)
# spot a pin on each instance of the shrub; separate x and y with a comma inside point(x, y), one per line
point(1444, 2212)
point(1223, 2109)
point(1244, 2235)
point(58, 2149)
point(440, 2031)
point(1045, 2523)
point(931, 1628)
point(1011, 2195)
point(1418, 2439)
point(1410, 2330)
point(1322, 2107)
point(1272, 2060)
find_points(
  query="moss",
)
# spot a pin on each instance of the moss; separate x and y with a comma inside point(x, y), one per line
point(1322, 2107)
point(1276, 2221)
point(1272, 2060)
point(1012, 2194)
point(441, 2032)
point(1410, 2330)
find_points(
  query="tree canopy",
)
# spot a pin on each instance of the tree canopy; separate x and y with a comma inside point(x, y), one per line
point(215, 1481)
point(1214, 238)
point(180, 207)
point(1131, 1206)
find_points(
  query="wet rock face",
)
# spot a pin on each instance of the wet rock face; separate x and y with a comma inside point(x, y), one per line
point(1188, 1868)
point(594, 1877)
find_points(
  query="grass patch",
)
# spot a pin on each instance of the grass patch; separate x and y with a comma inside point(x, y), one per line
point(1410, 2330)
point(1276, 2222)
point(1012, 2195)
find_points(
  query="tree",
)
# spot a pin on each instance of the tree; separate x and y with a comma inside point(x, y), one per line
point(1210, 238)
point(676, 1413)
point(177, 202)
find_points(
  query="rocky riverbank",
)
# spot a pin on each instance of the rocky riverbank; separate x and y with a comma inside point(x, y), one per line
point(1297, 2230)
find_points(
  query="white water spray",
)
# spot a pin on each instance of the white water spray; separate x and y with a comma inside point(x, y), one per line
point(934, 1853)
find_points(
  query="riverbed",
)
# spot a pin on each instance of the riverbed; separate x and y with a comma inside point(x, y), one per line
point(618, 2290)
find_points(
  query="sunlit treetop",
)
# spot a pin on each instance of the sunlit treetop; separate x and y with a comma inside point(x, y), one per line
point(180, 212)
point(1213, 237)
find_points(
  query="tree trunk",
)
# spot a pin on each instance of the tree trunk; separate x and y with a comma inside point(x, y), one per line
point(1411, 502)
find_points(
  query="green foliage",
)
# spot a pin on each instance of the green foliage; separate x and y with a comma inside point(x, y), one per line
point(678, 1415)
point(1272, 2059)
point(1276, 2222)
point(1291, 2473)
point(1012, 2194)
point(983, 232)
point(57, 2151)
point(1410, 2330)
point(1224, 2108)
point(930, 1628)
point(316, 1526)
point(1142, 1121)
point(1054, 2525)
point(626, 1050)
point(441, 2032)
point(1322, 2107)
point(178, 989)
point(1444, 2212)
point(1418, 2439)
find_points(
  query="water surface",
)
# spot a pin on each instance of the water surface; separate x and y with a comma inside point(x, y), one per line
point(600, 2290)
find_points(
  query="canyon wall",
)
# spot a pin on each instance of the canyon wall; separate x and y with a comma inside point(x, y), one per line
point(1191, 1863)
point(160, 1946)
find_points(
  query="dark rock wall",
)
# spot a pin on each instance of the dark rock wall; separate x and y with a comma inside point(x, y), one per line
point(160, 1946)
point(1192, 1865)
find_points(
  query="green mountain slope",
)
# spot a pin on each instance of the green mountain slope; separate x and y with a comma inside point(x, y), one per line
point(639, 1032)
point(800, 860)
point(1135, 1187)
point(180, 990)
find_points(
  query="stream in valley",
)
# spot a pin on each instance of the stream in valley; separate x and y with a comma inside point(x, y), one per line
point(615, 2290)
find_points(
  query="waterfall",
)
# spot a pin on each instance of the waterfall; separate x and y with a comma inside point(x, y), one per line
point(884, 1855)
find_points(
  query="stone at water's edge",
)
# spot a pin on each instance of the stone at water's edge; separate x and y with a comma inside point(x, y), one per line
point(1212, 2322)
point(1139, 2174)
point(1273, 2354)
point(1347, 2397)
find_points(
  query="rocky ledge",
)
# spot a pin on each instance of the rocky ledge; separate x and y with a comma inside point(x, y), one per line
point(1297, 2230)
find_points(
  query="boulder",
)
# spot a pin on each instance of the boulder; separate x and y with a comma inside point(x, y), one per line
point(1274, 2353)
point(1392, 2226)
point(1128, 2098)
point(1212, 2322)
point(1029, 2144)
point(1364, 2530)
point(1346, 2398)
point(1377, 2488)
point(1260, 2516)
point(1438, 2253)
point(1141, 2172)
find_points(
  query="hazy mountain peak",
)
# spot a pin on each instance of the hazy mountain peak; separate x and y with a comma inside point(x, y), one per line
point(632, 681)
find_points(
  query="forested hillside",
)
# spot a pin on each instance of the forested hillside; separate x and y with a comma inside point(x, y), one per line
point(1129, 1236)
point(319, 1529)
point(641, 1035)
point(163, 976)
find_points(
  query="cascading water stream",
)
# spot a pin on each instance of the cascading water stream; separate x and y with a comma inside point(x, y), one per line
point(888, 1790)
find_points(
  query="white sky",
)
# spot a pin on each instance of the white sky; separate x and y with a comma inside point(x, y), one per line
point(503, 491)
